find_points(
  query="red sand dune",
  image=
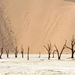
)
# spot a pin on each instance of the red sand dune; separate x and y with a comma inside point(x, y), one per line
point(36, 22)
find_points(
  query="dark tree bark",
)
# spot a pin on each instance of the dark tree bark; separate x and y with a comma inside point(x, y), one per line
point(28, 54)
point(1, 52)
point(59, 54)
point(22, 51)
point(48, 55)
point(22, 54)
point(72, 55)
point(16, 52)
point(39, 54)
point(7, 53)
point(72, 47)
point(49, 50)
point(0, 57)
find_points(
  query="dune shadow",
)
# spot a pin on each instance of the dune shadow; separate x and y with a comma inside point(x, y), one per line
point(70, 0)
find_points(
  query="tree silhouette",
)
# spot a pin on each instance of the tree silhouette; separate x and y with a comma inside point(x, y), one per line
point(1, 52)
point(22, 51)
point(72, 47)
point(16, 52)
point(28, 54)
point(48, 49)
point(39, 54)
point(7, 53)
point(59, 54)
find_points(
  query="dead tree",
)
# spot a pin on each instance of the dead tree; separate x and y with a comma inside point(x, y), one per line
point(59, 54)
point(72, 47)
point(16, 52)
point(7, 53)
point(22, 51)
point(49, 50)
point(39, 54)
point(1, 52)
point(28, 54)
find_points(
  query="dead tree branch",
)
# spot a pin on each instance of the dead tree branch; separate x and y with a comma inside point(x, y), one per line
point(72, 47)
point(48, 49)
point(16, 52)
point(28, 54)
point(59, 54)
point(1, 52)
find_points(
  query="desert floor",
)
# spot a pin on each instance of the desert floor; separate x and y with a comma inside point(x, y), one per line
point(37, 66)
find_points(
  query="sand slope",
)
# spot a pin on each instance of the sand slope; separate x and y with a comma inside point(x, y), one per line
point(37, 22)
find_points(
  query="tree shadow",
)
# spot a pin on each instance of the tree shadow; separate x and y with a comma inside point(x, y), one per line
point(70, 0)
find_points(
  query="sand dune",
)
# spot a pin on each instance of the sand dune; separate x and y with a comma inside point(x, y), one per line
point(37, 22)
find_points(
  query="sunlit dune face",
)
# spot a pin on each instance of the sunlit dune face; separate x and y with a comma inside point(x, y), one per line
point(35, 23)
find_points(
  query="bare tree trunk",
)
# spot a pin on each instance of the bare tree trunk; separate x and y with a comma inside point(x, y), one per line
point(0, 57)
point(1, 52)
point(7, 55)
point(49, 50)
point(28, 54)
point(72, 47)
point(72, 54)
point(22, 51)
point(16, 52)
point(22, 54)
point(59, 58)
point(48, 55)
point(59, 54)
point(53, 54)
point(15, 55)
point(39, 54)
